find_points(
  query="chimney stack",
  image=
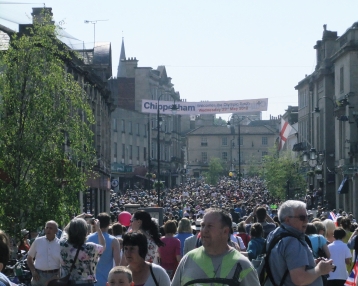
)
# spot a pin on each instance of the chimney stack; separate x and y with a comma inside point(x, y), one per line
point(40, 14)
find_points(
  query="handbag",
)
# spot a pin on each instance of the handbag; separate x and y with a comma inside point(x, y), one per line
point(320, 251)
point(64, 280)
point(259, 265)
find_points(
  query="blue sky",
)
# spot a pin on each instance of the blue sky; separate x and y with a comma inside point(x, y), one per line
point(213, 50)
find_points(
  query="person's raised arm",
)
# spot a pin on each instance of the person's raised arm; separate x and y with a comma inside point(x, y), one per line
point(249, 218)
point(82, 215)
point(101, 239)
point(269, 219)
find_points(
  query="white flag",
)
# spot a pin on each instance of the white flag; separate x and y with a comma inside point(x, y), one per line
point(284, 133)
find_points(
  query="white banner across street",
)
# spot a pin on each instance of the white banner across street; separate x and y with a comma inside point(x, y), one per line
point(208, 107)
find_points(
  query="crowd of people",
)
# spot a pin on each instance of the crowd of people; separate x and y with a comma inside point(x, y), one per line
point(191, 199)
point(211, 235)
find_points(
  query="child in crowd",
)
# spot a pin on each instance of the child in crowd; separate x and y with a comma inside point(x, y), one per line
point(120, 276)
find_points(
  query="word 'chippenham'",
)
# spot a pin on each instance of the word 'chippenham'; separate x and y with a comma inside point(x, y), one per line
point(210, 107)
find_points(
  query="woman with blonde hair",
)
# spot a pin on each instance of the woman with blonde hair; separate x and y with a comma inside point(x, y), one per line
point(184, 231)
point(330, 227)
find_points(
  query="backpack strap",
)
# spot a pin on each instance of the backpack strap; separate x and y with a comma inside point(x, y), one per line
point(234, 281)
point(272, 244)
point(198, 242)
point(151, 273)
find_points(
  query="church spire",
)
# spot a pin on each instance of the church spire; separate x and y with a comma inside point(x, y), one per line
point(123, 51)
point(122, 70)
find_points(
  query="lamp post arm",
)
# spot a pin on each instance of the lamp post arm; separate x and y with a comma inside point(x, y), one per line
point(327, 97)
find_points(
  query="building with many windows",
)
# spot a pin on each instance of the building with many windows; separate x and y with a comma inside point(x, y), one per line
point(130, 147)
point(134, 155)
point(254, 141)
point(328, 116)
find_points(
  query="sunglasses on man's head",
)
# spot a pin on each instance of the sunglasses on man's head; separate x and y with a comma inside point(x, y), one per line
point(300, 217)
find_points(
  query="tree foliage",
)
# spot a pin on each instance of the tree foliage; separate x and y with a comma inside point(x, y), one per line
point(254, 166)
point(46, 142)
point(214, 172)
point(277, 170)
point(219, 121)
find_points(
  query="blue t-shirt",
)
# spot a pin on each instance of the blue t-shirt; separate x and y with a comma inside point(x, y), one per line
point(182, 237)
point(105, 263)
point(317, 241)
point(256, 247)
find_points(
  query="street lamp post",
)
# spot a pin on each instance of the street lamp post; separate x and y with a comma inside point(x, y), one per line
point(315, 161)
point(239, 143)
point(328, 146)
point(173, 108)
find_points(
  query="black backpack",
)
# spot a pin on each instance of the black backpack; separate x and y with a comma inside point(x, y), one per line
point(266, 269)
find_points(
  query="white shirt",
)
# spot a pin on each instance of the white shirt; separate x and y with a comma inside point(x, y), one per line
point(339, 252)
point(238, 240)
point(46, 253)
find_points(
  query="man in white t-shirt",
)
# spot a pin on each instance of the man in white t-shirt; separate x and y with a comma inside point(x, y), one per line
point(44, 256)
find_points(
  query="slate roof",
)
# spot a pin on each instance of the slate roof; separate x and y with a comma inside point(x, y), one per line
point(102, 54)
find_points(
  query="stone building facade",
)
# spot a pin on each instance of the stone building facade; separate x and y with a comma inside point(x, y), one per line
point(206, 142)
point(328, 114)
point(131, 85)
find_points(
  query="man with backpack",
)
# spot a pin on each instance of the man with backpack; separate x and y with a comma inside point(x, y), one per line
point(215, 262)
point(289, 259)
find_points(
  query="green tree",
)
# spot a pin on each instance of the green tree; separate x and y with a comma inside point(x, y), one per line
point(46, 142)
point(277, 170)
point(254, 166)
point(214, 172)
point(219, 121)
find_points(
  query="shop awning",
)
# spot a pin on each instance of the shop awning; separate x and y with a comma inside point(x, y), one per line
point(142, 177)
